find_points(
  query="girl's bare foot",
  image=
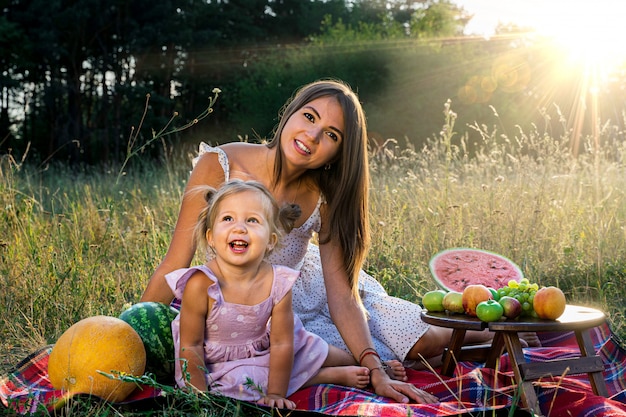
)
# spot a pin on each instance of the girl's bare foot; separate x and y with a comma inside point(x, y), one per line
point(395, 369)
point(349, 376)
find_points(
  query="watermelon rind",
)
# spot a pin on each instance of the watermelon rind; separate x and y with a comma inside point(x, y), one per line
point(455, 268)
point(153, 322)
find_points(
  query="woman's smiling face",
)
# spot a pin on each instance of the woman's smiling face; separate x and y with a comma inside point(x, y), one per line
point(313, 135)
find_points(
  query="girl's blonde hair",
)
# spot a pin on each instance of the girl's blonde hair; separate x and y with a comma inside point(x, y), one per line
point(280, 219)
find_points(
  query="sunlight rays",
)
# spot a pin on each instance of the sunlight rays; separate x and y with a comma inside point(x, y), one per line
point(583, 57)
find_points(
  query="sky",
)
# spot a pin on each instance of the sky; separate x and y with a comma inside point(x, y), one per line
point(487, 13)
point(593, 31)
point(545, 15)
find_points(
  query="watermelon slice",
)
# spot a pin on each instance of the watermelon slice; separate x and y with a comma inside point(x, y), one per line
point(456, 268)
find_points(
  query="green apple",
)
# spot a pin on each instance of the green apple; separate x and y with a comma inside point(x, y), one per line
point(433, 300)
point(489, 310)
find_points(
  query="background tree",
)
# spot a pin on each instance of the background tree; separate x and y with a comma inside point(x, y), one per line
point(73, 92)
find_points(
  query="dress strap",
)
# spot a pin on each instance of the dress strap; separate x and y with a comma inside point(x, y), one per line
point(221, 157)
point(284, 278)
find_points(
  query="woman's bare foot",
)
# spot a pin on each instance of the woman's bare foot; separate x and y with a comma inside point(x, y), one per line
point(348, 376)
point(529, 339)
point(395, 369)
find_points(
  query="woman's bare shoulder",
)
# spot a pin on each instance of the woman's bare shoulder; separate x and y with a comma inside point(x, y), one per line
point(239, 157)
point(237, 147)
point(247, 160)
point(238, 150)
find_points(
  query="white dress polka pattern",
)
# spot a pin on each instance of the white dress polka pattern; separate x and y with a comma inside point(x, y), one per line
point(395, 324)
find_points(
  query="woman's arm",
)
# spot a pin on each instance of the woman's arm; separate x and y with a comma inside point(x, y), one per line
point(281, 355)
point(193, 314)
point(182, 247)
point(350, 320)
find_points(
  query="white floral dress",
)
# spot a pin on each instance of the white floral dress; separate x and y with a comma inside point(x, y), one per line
point(395, 324)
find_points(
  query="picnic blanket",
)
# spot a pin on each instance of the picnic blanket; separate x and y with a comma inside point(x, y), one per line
point(472, 389)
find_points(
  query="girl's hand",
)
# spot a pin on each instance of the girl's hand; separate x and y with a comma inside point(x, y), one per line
point(274, 400)
point(399, 391)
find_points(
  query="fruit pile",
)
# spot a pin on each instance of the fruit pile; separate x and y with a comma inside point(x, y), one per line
point(523, 291)
point(516, 299)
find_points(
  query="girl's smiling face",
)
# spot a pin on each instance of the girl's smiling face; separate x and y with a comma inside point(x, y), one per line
point(241, 231)
point(313, 135)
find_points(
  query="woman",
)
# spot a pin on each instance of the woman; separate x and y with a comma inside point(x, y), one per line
point(318, 160)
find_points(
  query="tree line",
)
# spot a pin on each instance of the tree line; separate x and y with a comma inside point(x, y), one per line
point(76, 74)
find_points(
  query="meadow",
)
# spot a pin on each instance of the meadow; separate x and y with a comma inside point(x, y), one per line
point(81, 242)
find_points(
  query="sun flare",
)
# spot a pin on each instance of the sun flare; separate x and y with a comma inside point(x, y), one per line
point(578, 59)
point(588, 32)
point(590, 37)
point(592, 33)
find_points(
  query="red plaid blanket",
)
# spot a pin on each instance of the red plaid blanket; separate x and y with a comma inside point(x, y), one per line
point(473, 388)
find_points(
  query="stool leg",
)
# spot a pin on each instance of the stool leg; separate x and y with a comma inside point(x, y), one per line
point(598, 384)
point(451, 354)
point(516, 356)
point(496, 350)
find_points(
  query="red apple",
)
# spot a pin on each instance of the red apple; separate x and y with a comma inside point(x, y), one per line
point(511, 306)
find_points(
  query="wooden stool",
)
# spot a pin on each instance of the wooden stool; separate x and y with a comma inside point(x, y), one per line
point(575, 318)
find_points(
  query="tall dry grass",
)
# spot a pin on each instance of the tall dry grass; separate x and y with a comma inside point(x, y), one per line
point(76, 244)
point(561, 218)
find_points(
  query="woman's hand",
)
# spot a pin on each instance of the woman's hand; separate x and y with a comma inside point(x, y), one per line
point(274, 400)
point(399, 391)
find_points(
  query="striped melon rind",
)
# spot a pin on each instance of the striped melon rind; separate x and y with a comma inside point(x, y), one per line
point(153, 322)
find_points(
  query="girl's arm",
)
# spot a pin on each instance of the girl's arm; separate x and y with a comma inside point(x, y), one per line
point(182, 248)
point(350, 320)
point(281, 355)
point(193, 314)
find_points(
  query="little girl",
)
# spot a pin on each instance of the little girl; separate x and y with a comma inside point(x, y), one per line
point(237, 305)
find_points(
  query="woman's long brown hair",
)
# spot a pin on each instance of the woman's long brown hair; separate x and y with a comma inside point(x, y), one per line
point(345, 185)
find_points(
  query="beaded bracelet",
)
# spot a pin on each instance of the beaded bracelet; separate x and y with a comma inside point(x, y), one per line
point(379, 368)
point(384, 368)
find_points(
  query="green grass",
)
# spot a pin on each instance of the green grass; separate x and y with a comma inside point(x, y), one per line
point(75, 244)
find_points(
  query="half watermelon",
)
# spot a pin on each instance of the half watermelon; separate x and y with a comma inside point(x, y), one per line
point(456, 268)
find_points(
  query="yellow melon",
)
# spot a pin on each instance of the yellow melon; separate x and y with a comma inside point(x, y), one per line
point(99, 343)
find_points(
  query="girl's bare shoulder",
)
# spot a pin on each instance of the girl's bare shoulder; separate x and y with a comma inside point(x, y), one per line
point(198, 281)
